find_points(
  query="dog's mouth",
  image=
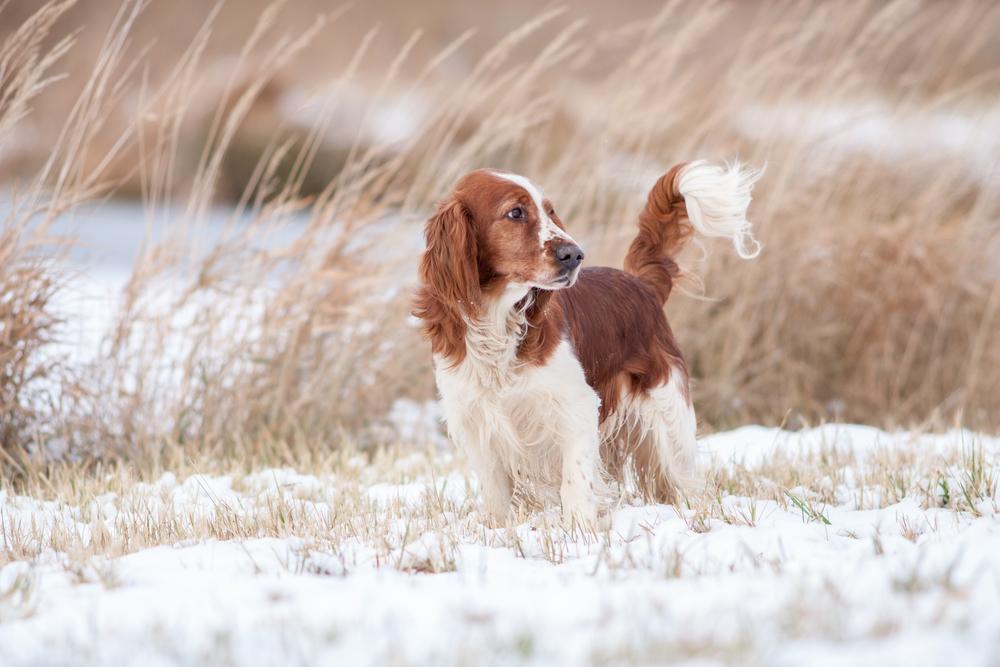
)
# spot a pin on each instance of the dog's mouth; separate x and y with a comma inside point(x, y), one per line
point(563, 280)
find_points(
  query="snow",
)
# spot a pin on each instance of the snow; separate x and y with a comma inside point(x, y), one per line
point(966, 139)
point(873, 127)
point(753, 445)
point(900, 582)
point(418, 421)
point(345, 112)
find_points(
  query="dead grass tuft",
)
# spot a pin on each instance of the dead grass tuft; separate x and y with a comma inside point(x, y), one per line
point(29, 272)
point(286, 336)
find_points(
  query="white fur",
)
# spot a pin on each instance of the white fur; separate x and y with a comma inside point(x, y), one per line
point(665, 419)
point(717, 199)
point(530, 432)
point(547, 230)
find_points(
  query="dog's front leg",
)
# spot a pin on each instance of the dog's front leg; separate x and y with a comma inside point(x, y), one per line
point(494, 487)
point(580, 449)
point(474, 426)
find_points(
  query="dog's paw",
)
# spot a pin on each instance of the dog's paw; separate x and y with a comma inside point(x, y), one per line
point(494, 517)
point(579, 512)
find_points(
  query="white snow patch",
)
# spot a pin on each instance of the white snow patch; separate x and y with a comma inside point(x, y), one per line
point(899, 585)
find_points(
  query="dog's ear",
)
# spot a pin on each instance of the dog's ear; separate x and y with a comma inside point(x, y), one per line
point(450, 265)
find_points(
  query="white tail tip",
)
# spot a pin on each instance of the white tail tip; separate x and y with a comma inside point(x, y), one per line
point(717, 199)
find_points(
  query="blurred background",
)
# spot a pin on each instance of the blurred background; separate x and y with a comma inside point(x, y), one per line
point(193, 195)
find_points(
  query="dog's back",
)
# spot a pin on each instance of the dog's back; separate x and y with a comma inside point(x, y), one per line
point(616, 324)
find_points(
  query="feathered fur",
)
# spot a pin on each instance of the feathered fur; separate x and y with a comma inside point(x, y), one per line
point(555, 380)
point(694, 197)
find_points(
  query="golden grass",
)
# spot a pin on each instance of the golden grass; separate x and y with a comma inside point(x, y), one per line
point(390, 503)
point(875, 299)
point(28, 278)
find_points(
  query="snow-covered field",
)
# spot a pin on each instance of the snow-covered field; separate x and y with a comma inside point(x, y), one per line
point(839, 545)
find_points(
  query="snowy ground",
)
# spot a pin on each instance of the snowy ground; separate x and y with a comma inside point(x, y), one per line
point(840, 545)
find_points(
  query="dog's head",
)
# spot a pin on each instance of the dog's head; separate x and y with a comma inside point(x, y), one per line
point(494, 231)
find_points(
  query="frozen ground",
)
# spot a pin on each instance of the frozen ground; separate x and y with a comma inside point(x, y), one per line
point(840, 545)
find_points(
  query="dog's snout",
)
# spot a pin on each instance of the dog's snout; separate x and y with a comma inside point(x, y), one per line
point(569, 256)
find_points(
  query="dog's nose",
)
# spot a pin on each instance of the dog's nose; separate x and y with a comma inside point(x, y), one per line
point(569, 256)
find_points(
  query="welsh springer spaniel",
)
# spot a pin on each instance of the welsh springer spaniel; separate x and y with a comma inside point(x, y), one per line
point(556, 380)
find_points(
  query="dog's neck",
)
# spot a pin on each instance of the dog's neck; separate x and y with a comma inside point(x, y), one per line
point(493, 337)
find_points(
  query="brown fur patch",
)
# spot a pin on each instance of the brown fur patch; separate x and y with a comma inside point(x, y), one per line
point(663, 230)
point(620, 334)
point(449, 273)
point(473, 251)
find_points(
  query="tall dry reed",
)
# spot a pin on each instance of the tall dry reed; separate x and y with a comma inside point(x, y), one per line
point(875, 298)
point(29, 277)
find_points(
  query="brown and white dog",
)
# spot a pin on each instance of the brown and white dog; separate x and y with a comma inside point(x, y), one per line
point(556, 379)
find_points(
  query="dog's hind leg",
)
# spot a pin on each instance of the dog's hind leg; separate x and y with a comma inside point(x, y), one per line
point(663, 441)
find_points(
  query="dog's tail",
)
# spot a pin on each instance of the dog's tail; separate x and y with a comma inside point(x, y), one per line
point(692, 197)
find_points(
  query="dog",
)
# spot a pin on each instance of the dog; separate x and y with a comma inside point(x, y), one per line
point(559, 381)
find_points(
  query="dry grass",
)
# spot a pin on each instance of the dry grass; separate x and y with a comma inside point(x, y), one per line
point(26, 327)
point(28, 273)
point(389, 505)
point(875, 299)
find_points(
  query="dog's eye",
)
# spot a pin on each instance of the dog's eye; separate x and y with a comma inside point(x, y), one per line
point(551, 211)
point(516, 213)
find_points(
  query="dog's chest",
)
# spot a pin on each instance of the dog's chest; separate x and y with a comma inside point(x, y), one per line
point(484, 391)
point(507, 401)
